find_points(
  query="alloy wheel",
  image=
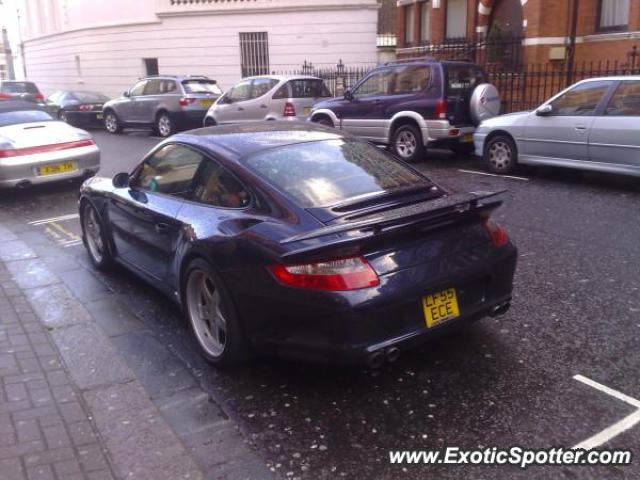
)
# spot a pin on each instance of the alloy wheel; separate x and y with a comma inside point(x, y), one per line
point(204, 304)
point(164, 126)
point(406, 144)
point(500, 155)
point(111, 123)
point(93, 234)
point(63, 116)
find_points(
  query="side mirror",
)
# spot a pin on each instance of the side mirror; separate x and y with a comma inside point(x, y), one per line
point(544, 110)
point(348, 94)
point(121, 180)
point(126, 93)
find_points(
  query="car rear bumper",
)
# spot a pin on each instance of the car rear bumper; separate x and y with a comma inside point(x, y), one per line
point(354, 327)
point(94, 118)
point(442, 130)
point(23, 170)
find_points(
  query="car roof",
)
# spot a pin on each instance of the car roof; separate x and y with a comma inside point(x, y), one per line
point(614, 78)
point(426, 60)
point(237, 141)
point(284, 77)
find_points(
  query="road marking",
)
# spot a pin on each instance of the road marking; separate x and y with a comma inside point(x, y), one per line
point(617, 428)
point(523, 179)
point(71, 216)
point(72, 243)
point(64, 231)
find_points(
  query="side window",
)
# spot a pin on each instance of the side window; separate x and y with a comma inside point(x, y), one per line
point(282, 92)
point(138, 89)
point(375, 84)
point(167, 86)
point(411, 79)
point(55, 97)
point(217, 187)
point(170, 170)
point(581, 100)
point(241, 92)
point(153, 87)
point(625, 100)
point(262, 85)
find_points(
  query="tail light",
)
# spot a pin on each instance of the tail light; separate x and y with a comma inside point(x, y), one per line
point(441, 108)
point(333, 275)
point(39, 97)
point(289, 110)
point(186, 101)
point(85, 108)
point(4, 96)
point(17, 152)
point(498, 234)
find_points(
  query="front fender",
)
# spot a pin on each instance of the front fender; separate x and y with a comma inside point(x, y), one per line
point(416, 117)
point(325, 111)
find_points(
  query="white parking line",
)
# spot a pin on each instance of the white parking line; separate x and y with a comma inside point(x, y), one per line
point(523, 179)
point(617, 428)
point(71, 216)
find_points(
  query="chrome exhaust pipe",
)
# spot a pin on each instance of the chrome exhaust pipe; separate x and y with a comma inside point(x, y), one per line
point(392, 354)
point(376, 359)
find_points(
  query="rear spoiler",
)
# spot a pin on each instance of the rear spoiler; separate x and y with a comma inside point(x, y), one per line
point(434, 213)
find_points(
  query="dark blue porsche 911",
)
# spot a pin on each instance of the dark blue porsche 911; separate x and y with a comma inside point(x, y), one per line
point(301, 241)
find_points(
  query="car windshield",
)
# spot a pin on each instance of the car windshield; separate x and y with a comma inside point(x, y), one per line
point(23, 116)
point(325, 173)
point(19, 87)
point(90, 97)
point(308, 88)
point(201, 86)
point(463, 78)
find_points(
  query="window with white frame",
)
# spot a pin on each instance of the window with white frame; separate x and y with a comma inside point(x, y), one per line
point(614, 15)
point(456, 19)
point(254, 53)
point(408, 25)
point(425, 21)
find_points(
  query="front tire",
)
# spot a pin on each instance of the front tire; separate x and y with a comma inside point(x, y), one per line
point(209, 122)
point(95, 238)
point(212, 316)
point(500, 155)
point(111, 123)
point(407, 143)
point(62, 116)
point(164, 125)
point(323, 120)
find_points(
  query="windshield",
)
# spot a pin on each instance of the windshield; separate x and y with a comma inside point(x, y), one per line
point(19, 87)
point(23, 116)
point(90, 97)
point(201, 86)
point(320, 174)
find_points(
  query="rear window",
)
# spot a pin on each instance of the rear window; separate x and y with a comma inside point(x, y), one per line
point(90, 97)
point(23, 116)
point(320, 174)
point(307, 88)
point(463, 78)
point(19, 87)
point(201, 86)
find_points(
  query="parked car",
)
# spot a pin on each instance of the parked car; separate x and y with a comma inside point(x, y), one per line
point(269, 97)
point(296, 239)
point(592, 125)
point(165, 103)
point(19, 90)
point(35, 148)
point(414, 104)
point(78, 107)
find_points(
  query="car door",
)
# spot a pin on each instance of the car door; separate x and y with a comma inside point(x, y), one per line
point(256, 107)
point(132, 104)
point(362, 116)
point(563, 132)
point(143, 216)
point(145, 105)
point(231, 107)
point(615, 135)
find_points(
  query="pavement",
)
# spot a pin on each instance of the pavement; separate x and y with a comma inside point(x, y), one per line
point(511, 380)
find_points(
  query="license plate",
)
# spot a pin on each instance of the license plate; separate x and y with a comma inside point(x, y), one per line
point(56, 168)
point(206, 103)
point(307, 110)
point(467, 138)
point(99, 116)
point(440, 307)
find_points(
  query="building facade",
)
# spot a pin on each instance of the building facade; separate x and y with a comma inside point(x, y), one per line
point(106, 45)
point(546, 29)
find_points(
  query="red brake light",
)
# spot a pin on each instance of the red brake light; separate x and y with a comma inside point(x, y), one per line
point(186, 101)
point(85, 108)
point(4, 96)
point(333, 275)
point(441, 108)
point(39, 97)
point(498, 234)
point(17, 152)
point(289, 110)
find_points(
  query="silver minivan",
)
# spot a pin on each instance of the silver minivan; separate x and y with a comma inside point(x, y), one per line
point(268, 97)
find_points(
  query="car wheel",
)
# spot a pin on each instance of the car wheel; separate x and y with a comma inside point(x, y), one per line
point(94, 237)
point(62, 116)
point(212, 316)
point(407, 143)
point(164, 125)
point(500, 155)
point(111, 123)
point(209, 122)
point(460, 148)
point(326, 121)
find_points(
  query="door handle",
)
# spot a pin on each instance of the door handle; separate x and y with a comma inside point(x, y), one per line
point(263, 106)
point(162, 228)
point(240, 109)
point(580, 127)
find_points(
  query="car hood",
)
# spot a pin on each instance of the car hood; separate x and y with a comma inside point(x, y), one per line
point(331, 103)
point(34, 134)
point(510, 119)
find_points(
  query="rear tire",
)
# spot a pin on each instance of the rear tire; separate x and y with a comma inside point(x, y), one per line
point(407, 143)
point(111, 122)
point(212, 316)
point(95, 238)
point(500, 155)
point(323, 120)
point(164, 125)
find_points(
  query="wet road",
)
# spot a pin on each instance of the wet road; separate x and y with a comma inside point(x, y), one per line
point(502, 382)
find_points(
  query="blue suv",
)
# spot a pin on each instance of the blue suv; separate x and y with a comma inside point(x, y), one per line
point(409, 105)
